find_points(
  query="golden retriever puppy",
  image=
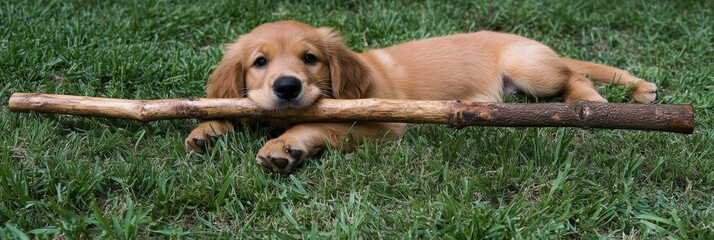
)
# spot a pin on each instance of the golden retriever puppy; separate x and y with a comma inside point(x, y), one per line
point(289, 64)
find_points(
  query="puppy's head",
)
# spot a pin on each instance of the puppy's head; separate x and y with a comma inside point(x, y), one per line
point(288, 64)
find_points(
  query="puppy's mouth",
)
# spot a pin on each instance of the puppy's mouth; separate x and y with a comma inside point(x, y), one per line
point(286, 93)
point(266, 100)
point(296, 103)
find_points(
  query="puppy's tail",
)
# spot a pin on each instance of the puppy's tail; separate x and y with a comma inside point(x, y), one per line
point(642, 91)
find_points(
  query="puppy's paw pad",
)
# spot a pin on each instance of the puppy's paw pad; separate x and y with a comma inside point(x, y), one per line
point(279, 155)
point(200, 142)
point(204, 135)
point(195, 144)
point(644, 92)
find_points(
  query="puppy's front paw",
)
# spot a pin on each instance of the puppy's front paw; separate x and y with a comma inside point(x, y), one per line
point(644, 92)
point(281, 155)
point(199, 140)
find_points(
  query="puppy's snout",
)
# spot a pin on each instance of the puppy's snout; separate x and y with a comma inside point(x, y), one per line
point(287, 88)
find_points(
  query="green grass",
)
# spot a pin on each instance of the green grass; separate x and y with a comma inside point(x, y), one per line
point(75, 178)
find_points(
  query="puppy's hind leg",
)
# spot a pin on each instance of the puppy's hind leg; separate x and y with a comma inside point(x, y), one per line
point(537, 70)
point(642, 91)
point(581, 88)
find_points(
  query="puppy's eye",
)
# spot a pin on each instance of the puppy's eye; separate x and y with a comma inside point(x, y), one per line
point(260, 62)
point(309, 59)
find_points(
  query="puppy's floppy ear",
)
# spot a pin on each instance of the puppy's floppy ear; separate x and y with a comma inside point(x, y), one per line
point(226, 81)
point(350, 76)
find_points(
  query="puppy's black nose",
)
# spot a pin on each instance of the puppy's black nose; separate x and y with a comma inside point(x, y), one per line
point(287, 88)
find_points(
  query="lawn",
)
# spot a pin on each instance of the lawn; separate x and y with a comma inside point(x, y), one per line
point(64, 177)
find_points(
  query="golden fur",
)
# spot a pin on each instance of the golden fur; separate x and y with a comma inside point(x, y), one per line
point(476, 66)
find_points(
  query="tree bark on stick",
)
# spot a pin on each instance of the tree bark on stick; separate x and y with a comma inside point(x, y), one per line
point(649, 117)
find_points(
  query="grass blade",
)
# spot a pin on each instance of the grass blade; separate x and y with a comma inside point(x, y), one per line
point(16, 232)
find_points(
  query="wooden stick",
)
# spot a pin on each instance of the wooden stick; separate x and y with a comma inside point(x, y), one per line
point(668, 118)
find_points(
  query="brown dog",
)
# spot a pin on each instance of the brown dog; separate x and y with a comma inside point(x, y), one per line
point(289, 64)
